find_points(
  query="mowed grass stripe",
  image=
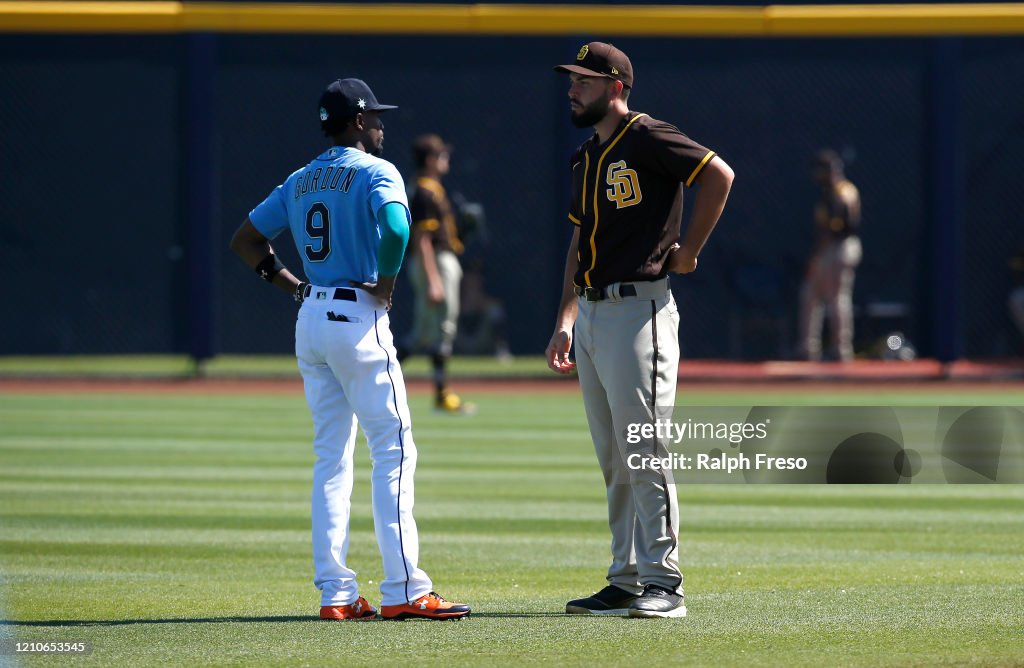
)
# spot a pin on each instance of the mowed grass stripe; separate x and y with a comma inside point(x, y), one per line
point(194, 550)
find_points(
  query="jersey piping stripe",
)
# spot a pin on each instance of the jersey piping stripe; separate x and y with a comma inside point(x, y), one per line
point(573, 218)
point(593, 234)
point(401, 463)
point(586, 168)
point(698, 168)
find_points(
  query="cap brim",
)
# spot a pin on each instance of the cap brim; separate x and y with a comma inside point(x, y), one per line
point(382, 107)
point(576, 69)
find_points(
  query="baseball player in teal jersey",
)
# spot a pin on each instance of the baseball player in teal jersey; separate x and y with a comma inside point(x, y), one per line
point(349, 217)
point(616, 306)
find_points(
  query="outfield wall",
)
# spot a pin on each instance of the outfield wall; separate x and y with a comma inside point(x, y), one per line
point(131, 152)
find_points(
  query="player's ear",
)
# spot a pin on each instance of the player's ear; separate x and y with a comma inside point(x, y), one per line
point(617, 87)
point(359, 122)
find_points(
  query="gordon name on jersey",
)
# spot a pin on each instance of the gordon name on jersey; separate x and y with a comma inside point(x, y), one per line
point(331, 206)
point(333, 177)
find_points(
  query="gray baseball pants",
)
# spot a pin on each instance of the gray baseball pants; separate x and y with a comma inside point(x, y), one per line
point(830, 283)
point(627, 357)
point(435, 325)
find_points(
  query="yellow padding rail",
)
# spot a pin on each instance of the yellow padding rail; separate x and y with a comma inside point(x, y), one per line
point(490, 19)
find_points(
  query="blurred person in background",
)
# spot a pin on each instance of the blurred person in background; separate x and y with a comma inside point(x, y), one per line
point(434, 268)
point(828, 282)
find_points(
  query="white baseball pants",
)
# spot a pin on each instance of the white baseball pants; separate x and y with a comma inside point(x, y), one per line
point(347, 358)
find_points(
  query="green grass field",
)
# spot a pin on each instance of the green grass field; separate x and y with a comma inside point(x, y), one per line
point(239, 366)
point(173, 530)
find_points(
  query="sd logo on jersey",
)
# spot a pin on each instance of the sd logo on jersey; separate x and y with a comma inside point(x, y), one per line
point(625, 186)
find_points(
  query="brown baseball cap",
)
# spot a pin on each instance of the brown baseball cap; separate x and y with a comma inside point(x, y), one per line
point(598, 59)
point(428, 145)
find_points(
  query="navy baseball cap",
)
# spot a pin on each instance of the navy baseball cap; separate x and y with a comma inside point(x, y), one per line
point(345, 98)
point(598, 59)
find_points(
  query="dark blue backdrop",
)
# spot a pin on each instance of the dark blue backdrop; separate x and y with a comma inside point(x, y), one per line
point(103, 228)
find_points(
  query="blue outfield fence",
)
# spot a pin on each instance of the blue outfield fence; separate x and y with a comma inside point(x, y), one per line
point(129, 160)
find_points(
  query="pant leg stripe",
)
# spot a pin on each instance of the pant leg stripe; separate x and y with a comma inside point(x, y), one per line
point(654, 360)
point(401, 465)
point(654, 405)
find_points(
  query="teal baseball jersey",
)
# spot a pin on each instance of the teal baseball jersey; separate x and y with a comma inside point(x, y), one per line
point(330, 206)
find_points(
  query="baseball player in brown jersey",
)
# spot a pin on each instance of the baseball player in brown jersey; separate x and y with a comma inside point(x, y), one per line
point(627, 203)
point(434, 268)
point(836, 254)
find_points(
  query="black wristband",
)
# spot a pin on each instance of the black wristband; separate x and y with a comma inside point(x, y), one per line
point(300, 291)
point(269, 267)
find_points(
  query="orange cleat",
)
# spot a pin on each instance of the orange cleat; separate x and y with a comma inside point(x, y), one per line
point(431, 606)
point(360, 610)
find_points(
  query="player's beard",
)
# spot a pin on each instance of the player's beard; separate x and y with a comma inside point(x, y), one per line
point(591, 114)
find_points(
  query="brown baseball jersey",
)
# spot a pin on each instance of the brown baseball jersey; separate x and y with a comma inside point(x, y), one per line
point(433, 214)
point(834, 215)
point(627, 199)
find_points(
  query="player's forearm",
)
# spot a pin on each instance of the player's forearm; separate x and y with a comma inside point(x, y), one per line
point(567, 307)
point(855, 211)
point(428, 258)
point(253, 248)
point(715, 183)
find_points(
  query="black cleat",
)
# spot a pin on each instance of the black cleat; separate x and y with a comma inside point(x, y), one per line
point(658, 601)
point(609, 601)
